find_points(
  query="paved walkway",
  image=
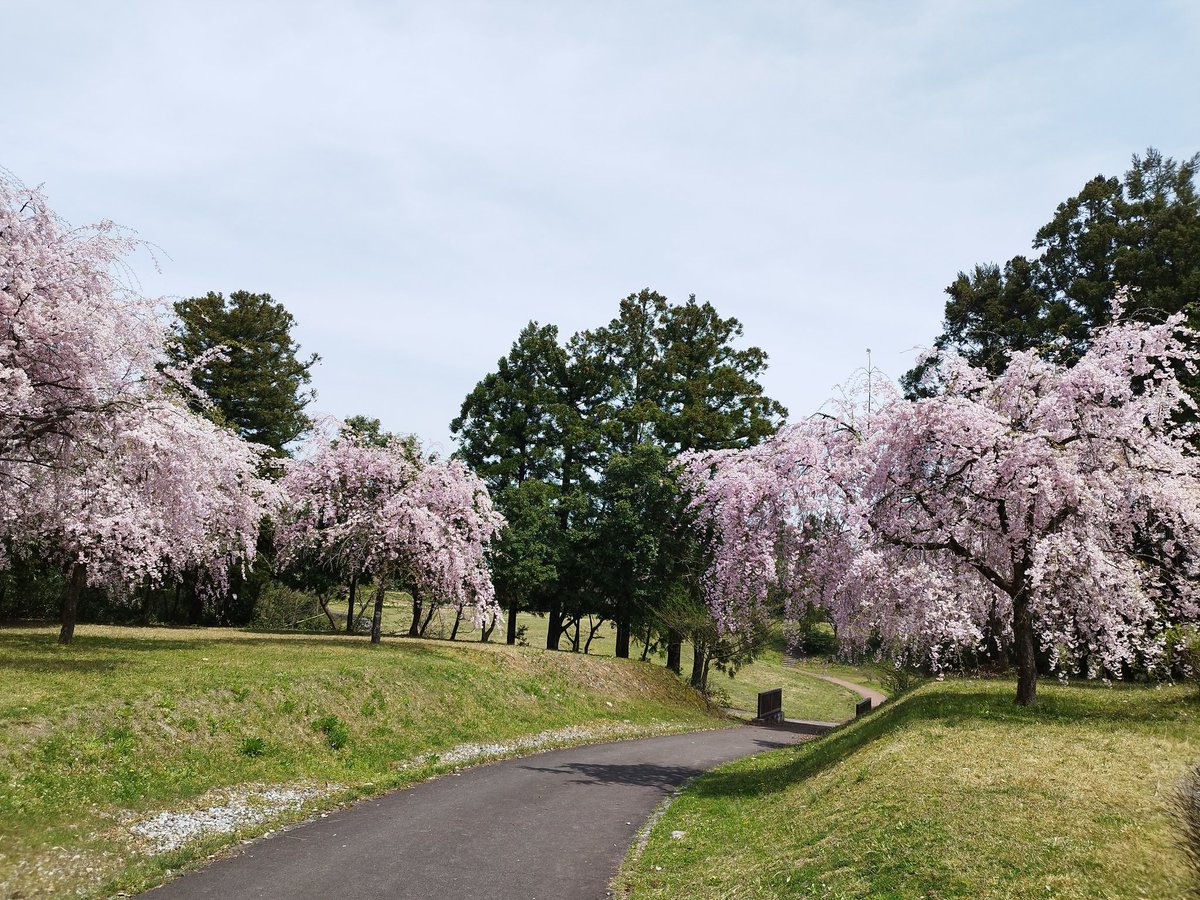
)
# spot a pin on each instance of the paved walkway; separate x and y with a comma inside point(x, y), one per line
point(553, 826)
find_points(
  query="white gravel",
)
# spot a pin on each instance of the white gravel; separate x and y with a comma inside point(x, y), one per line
point(253, 805)
point(572, 734)
point(171, 830)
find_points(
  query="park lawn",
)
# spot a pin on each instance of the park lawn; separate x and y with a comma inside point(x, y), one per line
point(947, 791)
point(126, 723)
point(803, 697)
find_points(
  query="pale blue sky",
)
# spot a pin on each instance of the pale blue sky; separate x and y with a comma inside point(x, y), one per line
point(416, 181)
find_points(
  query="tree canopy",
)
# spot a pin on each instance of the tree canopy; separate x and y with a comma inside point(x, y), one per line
point(1058, 504)
point(1139, 234)
point(248, 365)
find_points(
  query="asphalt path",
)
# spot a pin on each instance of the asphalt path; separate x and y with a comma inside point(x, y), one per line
point(551, 826)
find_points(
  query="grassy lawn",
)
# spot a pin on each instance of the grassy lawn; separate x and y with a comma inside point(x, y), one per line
point(948, 791)
point(803, 697)
point(126, 723)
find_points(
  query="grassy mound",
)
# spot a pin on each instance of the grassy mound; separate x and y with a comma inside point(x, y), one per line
point(98, 737)
point(950, 791)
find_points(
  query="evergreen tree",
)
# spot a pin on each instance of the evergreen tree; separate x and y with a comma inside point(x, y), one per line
point(257, 384)
point(1140, 233)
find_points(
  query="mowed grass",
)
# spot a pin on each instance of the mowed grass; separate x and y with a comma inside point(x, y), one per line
point(804, 697)
point(125, 723)
point(948, 791)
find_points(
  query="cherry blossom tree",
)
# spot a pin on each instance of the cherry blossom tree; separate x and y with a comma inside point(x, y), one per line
point(102, 467)
point(361, 508)
point(1057, 508)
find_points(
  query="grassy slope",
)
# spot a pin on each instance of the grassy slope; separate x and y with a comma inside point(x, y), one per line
point(803, 697)
point(950, 791)
point(127, 722)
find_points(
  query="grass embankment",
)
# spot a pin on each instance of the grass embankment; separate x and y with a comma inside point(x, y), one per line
point(803, 697)
point(949, 791)
point(126, 723)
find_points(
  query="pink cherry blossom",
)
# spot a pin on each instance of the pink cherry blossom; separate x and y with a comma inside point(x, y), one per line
point(1057, 508)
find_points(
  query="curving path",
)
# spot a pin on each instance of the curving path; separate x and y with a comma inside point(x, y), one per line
point(875, 697)
point(553, 826)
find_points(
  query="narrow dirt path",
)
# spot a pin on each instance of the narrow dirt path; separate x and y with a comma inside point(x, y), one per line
point(553, 825)
point(876, 697)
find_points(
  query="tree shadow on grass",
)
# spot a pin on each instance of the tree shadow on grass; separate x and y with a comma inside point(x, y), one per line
point(36, 648)
point(959, 705)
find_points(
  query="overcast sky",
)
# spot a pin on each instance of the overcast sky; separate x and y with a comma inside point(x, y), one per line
point(416, 181)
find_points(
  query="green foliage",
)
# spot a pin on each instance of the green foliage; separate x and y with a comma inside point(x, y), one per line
point(281, 606)
point(818, 639)
point(257, 386)
point(1183, 652)
point(337, 735)
point(1141, 232)
point(576, 443)
point(252, 746)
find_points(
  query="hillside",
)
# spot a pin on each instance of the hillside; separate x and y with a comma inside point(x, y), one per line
point(949, 791)
point(102, 740)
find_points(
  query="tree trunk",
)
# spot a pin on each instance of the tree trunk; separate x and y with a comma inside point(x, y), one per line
point(414, 627)
point(593, 627)
point(485, 633)
point(622, 648)
point(196, 611)
point(511, 637)
point(350, 605)
point(699, 665)
point(328, 615)
point(1026, 648)
point(675, 651)
point(554, 624)
point(377, 617)
point(457, 619)
point(428, 618)
point(70, 605)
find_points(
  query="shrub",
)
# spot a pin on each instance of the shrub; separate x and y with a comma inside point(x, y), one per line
point(1183, 652)
point(1187, 808)
point(280, 606)
point(334, 729)
point(819, 640)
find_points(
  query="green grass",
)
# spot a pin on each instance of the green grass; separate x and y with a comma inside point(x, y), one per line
point(128, 722)
point(803, 697)
point(949, 791)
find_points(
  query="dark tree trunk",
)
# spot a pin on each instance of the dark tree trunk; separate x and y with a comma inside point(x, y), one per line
point(328, 615)
point(457, 619)
point(1026, 651)
point(675, 651)
point(377, 617)
point(428, 618)
point(175, 605)
point(70, 605)
point(622, 648)
point(699, 665)
point(554, 624)
point(485, 633)
point(147, 595)
point(414, 627)
point(196, 612)
point(593, 627)
point(350, 605)
point(511, 636)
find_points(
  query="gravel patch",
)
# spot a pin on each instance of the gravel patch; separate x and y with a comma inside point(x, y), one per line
point(572, 734)
point(172, 830)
